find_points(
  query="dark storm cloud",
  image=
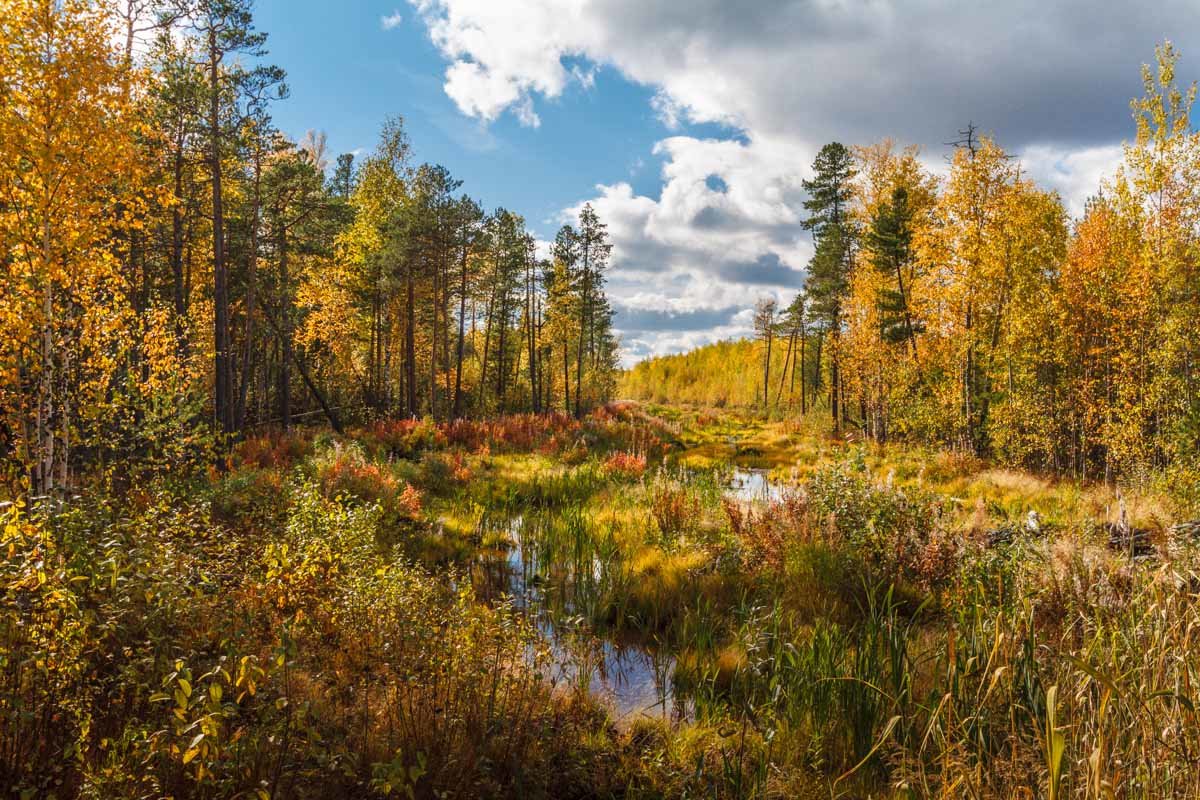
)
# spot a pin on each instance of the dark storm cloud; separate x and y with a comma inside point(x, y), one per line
point(633, 320)
point(1031, 71)
point(766, 270)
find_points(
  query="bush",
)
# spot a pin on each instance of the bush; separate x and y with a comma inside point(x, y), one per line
point(251, 497)
point(900, 534)
point(675, 510)
point(443, 471)
point(344, 472)
point(403, 438)
point(625, 466)
point(894, 535)
point(150, 656)
point(277, 450)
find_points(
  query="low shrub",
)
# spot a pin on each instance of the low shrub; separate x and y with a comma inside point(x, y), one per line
point(625, 466)
point(403, 438)
point(252, 497)
point(895, 535)
point(676, 511)
point(277, 450)
point(441, 471)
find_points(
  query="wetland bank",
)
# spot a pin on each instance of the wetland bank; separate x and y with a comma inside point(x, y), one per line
point(650, 602)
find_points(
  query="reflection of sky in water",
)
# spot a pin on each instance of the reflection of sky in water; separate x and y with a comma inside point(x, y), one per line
point(634, 679)
point(754, 485)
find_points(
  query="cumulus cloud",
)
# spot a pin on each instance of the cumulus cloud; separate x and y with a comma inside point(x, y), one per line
point(391, 21)
point(724, 231)
point(1075, 174)
point(1050, 80)
point(914, 69)
point(503, 54)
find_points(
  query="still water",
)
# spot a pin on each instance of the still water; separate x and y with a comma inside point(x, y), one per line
point(635, 678)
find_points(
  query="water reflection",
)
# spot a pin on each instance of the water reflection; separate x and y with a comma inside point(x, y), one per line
point(754, 485)
point(634, 678)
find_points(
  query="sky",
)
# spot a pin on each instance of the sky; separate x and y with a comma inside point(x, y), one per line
point(691, 124)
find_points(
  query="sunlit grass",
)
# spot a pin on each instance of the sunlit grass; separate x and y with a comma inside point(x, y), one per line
point(854, 635)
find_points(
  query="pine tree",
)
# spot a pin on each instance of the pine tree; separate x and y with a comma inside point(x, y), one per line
point(343, 176)
point(467, 220)
point(765, 312)
point(594, 250)
point(834, 235)
point(225, 29)
point(890, 243)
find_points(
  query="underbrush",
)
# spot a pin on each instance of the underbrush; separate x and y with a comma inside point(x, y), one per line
point(141, 657)
point(613, 427)
point(265, 633)
point(417, 610)
point(885, 646)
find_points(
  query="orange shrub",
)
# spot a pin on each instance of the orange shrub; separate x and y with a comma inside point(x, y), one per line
point(764, 533)
point(409, 502)
point(625, 465)
point(405, 438)
point(349, 474)
point(272, 450)
point(608, 428)
point(512, 433)
point(675, 511)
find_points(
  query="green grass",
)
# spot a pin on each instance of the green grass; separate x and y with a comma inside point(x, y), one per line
point(847, 681)
point(854, 639)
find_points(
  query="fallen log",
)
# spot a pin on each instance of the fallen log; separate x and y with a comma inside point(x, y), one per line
point(1124, 538)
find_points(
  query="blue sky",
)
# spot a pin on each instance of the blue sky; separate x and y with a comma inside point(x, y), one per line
point(346, 73)
point(691, 124)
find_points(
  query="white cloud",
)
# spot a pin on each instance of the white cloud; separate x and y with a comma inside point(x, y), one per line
point(585, 77)
point(1050, 80)
point(543, 248)
point(501, 54)
point(1074, 174)
point(525, 113)
point(914, 69)
point(669, 112)
point(391, 21)
point(695, 249)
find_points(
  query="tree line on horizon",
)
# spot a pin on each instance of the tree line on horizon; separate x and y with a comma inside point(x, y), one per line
point(970, 311)
point(172, 264)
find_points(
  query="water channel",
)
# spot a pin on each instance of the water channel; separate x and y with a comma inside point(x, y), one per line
point(534, 571)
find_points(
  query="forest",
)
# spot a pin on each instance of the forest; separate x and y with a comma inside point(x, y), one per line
point(319, 479)
point(175, 262)
point(970, 312)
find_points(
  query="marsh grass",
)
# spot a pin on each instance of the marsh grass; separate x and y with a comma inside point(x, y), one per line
point(410, 610)
point(856, 638)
